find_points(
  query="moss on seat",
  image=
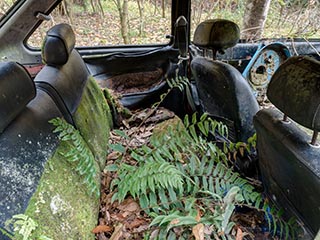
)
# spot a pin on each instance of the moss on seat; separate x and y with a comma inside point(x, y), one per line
point(62, 206)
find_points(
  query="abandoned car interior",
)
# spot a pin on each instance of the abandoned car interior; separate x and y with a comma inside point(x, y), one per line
point(195, 133)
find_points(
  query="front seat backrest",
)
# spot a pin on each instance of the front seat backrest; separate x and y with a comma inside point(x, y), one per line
point(295, 90)
point(216, 34)
point(289, 157)
point(223, 91)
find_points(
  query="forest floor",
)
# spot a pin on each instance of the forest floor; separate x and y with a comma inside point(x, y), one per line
point(126, 219)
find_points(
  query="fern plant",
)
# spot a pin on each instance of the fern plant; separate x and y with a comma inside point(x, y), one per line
point(180, 173)
point(23, 227)
point(79, 153)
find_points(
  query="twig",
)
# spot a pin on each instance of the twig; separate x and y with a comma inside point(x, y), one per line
point(311, 45)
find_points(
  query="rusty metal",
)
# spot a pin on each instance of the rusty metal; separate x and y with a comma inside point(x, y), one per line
point(285, 118)
point(314, 138)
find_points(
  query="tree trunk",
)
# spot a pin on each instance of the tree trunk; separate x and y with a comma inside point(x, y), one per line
point(141, 10)
point(92, 6)
point(155, 7)
point(123, 14)
point(255, 16)
point(101, 8)
point(163, 6)
point(81, 3)
point(98, 4)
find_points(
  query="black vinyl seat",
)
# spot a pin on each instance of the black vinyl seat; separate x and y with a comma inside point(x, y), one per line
point(289, 156)
point(65, 73)
point(26, 138)
point(16, 91)
point(223, 91)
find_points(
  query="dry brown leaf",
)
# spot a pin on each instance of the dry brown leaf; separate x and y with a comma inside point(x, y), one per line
point(174, 221)
point(118, 232)
point(101, 236)
point(118, 217)
point(126, 124)
point(146, 134)
point(141, 228)
point(129, 205)
point(113, 155)
point(198, 231)
point(102, 228)
point(208, 230)
point(136, 223)
point(239, 234)
point(198, 217)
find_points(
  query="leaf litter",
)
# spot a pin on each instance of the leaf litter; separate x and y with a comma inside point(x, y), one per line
point(126, 219)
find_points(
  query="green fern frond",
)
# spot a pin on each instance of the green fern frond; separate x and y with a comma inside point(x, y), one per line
point(79, 153)
point(24, 225)
point(152, 176)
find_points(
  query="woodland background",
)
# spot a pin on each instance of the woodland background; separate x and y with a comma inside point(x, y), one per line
point(112, 22)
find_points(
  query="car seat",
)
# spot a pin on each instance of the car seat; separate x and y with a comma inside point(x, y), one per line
point(289, 156)
point(223, 92)
point(26, 138)
point(65, 73)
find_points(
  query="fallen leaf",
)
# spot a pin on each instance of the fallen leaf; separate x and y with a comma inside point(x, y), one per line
point(102, 228)
point(136, 223)
point(101, 236)
point(118, 232)
point(198, 217)
point(129, 205)
point(141, 228)
point(113, 155)
point(239, 234)
point(118, 217)
point(174, 221)
point(198, 231)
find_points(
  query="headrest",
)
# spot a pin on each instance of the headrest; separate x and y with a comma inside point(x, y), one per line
point(58, 45)
point(16, 90)
point(295, 90)
point(218, 34)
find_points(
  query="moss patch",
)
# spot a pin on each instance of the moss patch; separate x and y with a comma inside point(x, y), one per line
point(61, 205)
point(94, 120)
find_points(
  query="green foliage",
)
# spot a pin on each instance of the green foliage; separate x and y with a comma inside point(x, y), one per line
point(179, 82)
point(155, 176)
point(23, 227)
point(79, 153)
point(181, 173)
point(6, 233)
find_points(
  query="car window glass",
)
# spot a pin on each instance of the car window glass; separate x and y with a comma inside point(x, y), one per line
point(285, 19)
point(97, 23)
point(5, 5)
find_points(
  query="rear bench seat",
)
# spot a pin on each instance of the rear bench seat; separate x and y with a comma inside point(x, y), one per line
point(35, 176)
point(26, 138)
point(65, 74)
